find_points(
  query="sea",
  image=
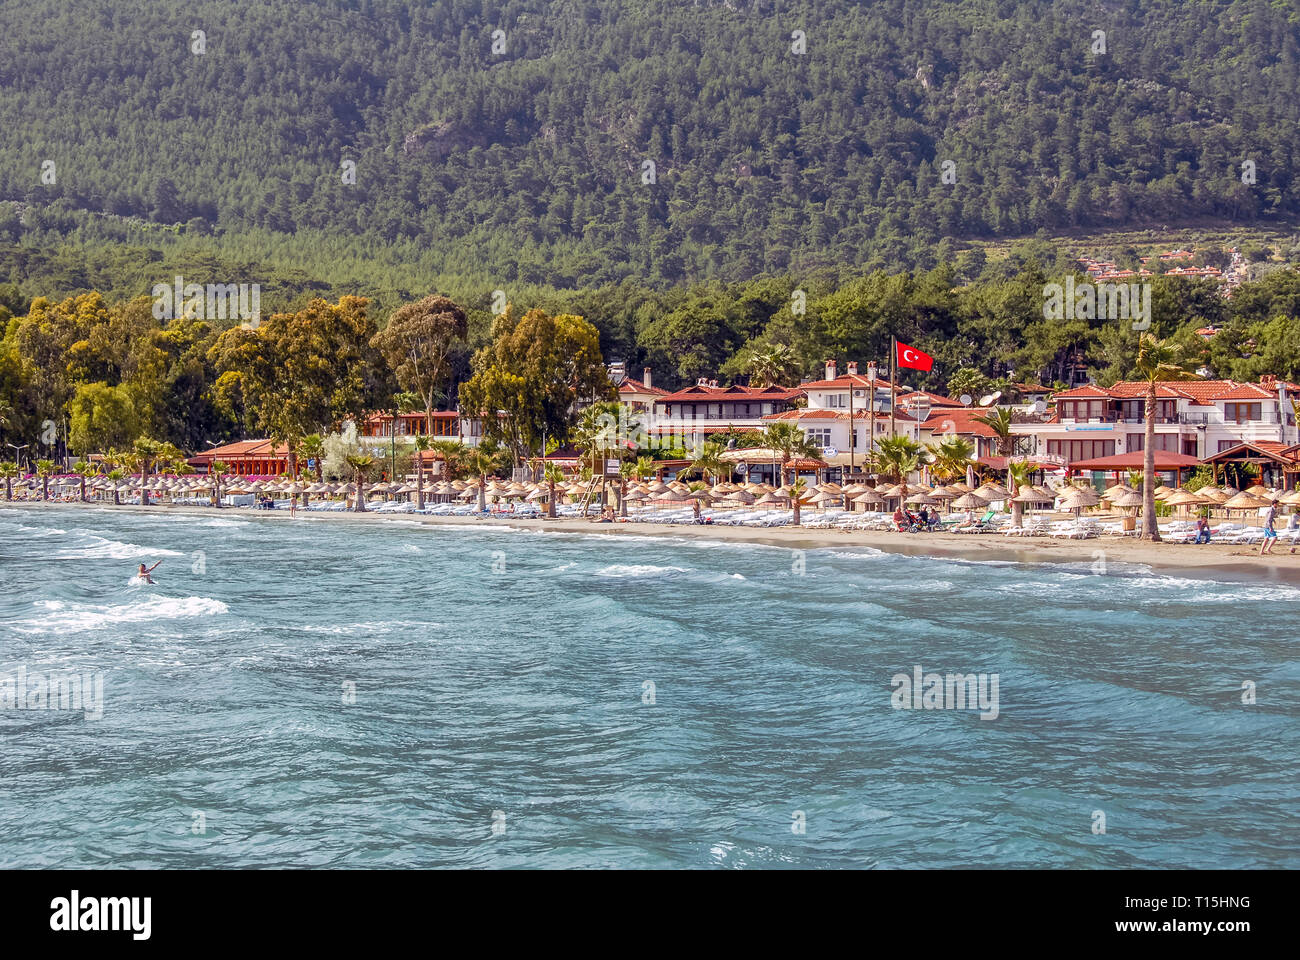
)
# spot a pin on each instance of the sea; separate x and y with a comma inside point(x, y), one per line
point(392, 694)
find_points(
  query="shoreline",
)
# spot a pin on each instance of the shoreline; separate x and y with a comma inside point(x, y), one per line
point(1223, 562)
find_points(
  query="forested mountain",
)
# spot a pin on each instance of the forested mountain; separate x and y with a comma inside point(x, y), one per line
point(521, 158)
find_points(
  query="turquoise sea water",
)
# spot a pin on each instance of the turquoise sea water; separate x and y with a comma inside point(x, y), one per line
point(501, 718)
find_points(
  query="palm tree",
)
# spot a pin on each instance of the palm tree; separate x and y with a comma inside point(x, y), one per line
point(553, 475)
point(797, 489)
point(950, 457)
point(215, 470)
point(772, 366)
point(362, 464)
point(601, 432)
point(312, 447)
point(116, 476)
point(44, 468)
point(790, 442)
point(1019, 474)
point(999, 421)
point(422, 443)
point(897, 456)
point(8, 471)
point(482, 461)
point(146, 451)
point(643, 467)
point(708, 461)
point(85, 469)
point(448, 451)
point(1157, 361)
point(695, 487)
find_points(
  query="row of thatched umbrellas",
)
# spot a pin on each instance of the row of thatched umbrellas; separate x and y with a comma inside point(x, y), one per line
point(957, 496)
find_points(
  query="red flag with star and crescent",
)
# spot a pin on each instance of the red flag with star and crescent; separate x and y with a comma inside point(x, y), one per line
point(913, 358)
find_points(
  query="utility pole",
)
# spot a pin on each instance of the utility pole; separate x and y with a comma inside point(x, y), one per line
point(853, 437)
point(871, 407)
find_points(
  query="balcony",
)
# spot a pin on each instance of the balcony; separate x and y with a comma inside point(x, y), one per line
point(1267, 418)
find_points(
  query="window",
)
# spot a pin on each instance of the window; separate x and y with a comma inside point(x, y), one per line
point(836, 400)
point(820, 436)
point(1164, 441)
point(1073, 450)
point(1241, 412)
point(1228, 444)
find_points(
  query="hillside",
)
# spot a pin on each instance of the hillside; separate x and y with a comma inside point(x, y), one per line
point(528, 166)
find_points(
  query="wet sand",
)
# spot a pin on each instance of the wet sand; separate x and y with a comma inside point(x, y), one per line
point(1215, 561)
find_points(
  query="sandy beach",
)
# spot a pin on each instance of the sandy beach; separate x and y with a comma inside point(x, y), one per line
point(1230, 562)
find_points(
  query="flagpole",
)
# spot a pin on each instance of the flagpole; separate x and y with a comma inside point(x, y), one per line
point(893, 383)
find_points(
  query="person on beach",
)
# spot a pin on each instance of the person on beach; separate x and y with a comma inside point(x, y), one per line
point(1202, 529)
point(1293, 524)
point(1270, 532)
point(143, 573)
point(967, 522)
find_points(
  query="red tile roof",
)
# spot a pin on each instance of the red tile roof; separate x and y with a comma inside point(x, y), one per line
point(845, 381)
point(1088, 391)
point(1271, 448)
point(241, 450)
point(633, 385)
point(1202, 392)
point(936, 400)
point(734, 392)
point(806, 414)
point(960, 421)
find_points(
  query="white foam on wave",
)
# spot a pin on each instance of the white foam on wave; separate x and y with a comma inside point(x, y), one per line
point(58, 616)
point(36, 531)
point(857, 553)
point(488, 528)
point(104, 549)
point(638, 571)
point(225, 523)
point(1164, 589)
point(376, 626)
point(625, 570)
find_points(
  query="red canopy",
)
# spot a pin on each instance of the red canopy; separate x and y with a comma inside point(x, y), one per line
point(1165, 460)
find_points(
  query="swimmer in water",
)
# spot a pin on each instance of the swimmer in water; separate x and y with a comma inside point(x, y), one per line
point(143, 573)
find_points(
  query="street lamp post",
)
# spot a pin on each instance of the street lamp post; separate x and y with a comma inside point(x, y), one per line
point(16, 448)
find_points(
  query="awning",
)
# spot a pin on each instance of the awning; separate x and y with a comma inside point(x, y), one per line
point(1135, 460)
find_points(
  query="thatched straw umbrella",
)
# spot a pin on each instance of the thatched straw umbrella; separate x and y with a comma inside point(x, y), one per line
point(1076, 498)
point(869, 497)
point(970, 501)
point(1183, 499)
point(1245, 502)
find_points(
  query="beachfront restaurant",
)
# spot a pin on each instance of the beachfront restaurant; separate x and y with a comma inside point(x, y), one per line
point(1166, 462)
point(1272, 463)
point(245, 458)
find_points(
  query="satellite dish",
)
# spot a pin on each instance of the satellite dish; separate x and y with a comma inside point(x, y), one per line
point(990, 398)
point(965, 399)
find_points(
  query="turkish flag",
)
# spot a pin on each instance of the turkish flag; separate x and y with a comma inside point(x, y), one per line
point(913, 358)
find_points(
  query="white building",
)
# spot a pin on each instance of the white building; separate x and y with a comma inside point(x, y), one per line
point(838, 416)
point(1197, 418)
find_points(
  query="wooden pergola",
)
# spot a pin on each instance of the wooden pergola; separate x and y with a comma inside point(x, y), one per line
point(1277, 458)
